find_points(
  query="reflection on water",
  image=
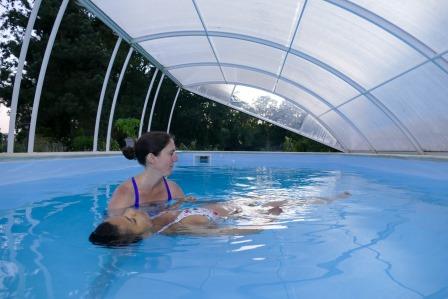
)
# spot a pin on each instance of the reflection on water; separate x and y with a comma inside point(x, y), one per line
point(387, 240)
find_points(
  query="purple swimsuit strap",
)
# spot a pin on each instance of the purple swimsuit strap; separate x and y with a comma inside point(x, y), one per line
point(136, 195)
point(167, 189)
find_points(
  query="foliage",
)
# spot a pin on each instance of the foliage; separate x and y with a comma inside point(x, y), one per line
point(3, 142)
point(126, 127)
point(82, 143)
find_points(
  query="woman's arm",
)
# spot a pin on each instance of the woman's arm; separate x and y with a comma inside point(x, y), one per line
point(180, 201)
point(121, 199)
point(178, 195)
point(215, 231)
point(176, 190)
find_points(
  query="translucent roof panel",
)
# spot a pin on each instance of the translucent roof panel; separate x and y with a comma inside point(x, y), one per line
point(275, 21)
point(379, 129)
point(348, 136)
point(219, 92)
point(298, 95)
point(268, 107)
point(166, 50)
point(314, 130)
point(198, 74)
point(249, 77)
point(354, 46)
point(426, 20)
point(368, 76)
point(241, 52)
point(327, 85)
point(420, 100)
point(141, 17)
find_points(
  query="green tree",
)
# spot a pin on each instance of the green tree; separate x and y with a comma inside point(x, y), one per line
point(125, 128)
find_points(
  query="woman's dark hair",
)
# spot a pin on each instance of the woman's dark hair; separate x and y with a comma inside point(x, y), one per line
point(148, 143)
point(109, 235)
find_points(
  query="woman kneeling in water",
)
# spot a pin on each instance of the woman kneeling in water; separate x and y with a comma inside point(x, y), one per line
point(135, 225)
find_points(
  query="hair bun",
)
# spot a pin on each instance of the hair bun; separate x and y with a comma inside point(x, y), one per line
point(128, 152)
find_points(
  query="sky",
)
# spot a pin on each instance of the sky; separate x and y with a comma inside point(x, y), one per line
point(4, 119)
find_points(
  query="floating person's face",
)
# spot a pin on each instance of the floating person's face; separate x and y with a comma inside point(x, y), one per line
point(164, 162)
point(132, 222)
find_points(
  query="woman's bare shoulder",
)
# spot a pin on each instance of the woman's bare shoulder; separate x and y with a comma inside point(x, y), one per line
point(123, 196)
point(176, 190)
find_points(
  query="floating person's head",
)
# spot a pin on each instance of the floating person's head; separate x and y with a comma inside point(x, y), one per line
point(155, 150)
point(128, 228)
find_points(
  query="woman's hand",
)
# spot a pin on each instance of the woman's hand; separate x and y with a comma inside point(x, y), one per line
point(189, 198)
point(181, 200)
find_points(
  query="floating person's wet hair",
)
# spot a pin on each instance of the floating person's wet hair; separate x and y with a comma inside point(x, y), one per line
point(108, 234)
point(148, 143)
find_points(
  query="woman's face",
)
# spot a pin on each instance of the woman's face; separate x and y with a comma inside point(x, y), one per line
point(164, 162)
point(132, 222)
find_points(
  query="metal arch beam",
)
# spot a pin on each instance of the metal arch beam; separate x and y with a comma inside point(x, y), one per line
point(306, 90)
point(18, 78)
point(208, 38)
point(391, 28)
point(172, 110)
point(103, 92)
point(307, 57)
point(42, 72)
point(114, 102)
point(154, 102)
point(260, 71)
point(290, 44)
point(343, 148)
point(209, 33)
point(142, 118)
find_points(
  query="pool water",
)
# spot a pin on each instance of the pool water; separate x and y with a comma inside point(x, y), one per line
point(389, 239)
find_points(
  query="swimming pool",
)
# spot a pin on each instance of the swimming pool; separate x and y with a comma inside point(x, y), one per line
point(388, 240)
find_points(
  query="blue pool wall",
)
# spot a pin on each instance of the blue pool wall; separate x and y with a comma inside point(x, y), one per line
point(25, 180)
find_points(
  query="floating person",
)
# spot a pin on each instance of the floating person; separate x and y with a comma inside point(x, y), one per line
point(135, 224)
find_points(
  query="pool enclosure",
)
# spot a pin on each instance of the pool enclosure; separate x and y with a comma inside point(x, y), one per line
point(358, 76)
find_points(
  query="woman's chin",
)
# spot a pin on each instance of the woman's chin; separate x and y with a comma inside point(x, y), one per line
point(168, 172)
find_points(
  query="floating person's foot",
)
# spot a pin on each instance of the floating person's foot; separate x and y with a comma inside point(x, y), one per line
point(236, 211)
point(343, 195)
point(275, 211)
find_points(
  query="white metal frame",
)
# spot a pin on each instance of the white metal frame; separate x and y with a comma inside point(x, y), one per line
point(154, 102)
point(18, 78)
point(114, 102)
point(142, 118)
point(43, 70)
point(103, 92)
point(172, 110)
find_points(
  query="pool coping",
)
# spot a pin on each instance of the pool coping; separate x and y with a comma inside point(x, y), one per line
point(442, 156)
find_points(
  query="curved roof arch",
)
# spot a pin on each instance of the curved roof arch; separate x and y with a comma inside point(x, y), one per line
point(201, 88)
point(309, 58)
point(379, 68)
point(294, 101)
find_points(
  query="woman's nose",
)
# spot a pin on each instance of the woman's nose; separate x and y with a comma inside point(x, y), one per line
point(175, 157)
